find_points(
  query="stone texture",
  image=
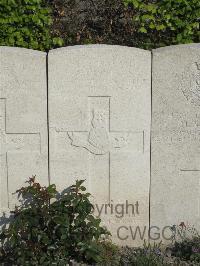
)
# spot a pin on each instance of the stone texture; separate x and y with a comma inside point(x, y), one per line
point(23, 120)
point(100, 109)
point(175, 185)
point(100, 114)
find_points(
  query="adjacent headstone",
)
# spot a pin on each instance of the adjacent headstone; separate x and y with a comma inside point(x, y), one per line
point(175, 184)
point(99, 117)
point(23, 121)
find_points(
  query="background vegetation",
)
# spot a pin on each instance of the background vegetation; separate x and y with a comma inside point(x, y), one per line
point(166, 22)
point(51, 228)
point(42, 25)
point(26, 23)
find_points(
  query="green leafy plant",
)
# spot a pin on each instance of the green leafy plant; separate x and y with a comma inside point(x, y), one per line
point(150, 255)
point(110, 253)
point(187, 250)
point(26, 23)
point(51, 228)
point(166, 22)
point(186, 243)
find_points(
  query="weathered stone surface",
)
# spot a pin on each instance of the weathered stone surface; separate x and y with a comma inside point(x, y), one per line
point(23, 120)
point(175, 185)
point(100, 112)
point(100, 109)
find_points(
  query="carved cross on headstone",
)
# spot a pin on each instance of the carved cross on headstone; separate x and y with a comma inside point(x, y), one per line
point(12, 142)
point(100, 139)
point(189, 170)
point(193, 170)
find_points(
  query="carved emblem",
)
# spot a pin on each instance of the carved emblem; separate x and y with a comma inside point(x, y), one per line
point(98, 140)
point(190, 84)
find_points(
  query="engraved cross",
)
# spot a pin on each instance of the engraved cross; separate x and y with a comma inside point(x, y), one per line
point(100, 139)
point(12, 142)
point(193, 170)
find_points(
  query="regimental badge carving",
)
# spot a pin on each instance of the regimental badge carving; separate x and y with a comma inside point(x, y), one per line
point(190, 84)
point(98, 140)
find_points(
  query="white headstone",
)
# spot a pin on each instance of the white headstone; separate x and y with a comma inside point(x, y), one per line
point(100, 112)
point(175, 185)
point(23, 120)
